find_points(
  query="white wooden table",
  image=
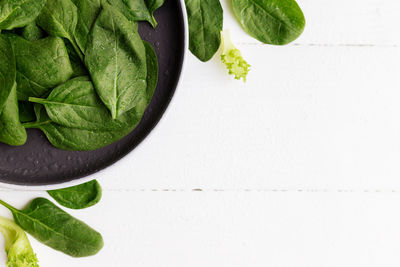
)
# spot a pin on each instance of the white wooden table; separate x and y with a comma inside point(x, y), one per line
point(297, 167)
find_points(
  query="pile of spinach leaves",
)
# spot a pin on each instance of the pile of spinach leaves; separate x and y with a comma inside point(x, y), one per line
point(76, 69)
point(275, 22)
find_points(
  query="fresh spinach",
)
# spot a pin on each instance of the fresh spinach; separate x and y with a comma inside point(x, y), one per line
point(32, 32)
point(26, 111)
point(276, 22)
point(19, 13)
point(68, 138)
point(57, 229)
point(75, 104)
point(59, 18)
point(7, 70)
point(118, 66)
point(78, 67)
point(205, 18)
point(78, 197)
point(11, 130)
point(41, 65)
point(152, 70)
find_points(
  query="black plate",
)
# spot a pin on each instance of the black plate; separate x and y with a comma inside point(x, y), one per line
point(39, 163)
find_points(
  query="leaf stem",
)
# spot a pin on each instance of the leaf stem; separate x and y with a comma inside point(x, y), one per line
point(29, 125)
point(77, 50)
point(8, 206)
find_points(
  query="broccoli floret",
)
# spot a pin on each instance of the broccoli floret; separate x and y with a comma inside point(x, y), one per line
point(18, 248)
point(232, 58)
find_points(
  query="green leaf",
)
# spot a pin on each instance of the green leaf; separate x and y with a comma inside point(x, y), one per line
point(41, 65)
point(11, 130)
point(78, 67)
point(57, 229)
point(26, 111)
point(78, 197)
point(18, 249)
point(118, 66)
point(59, 18)
point(68, 138)
point(152, 70)
point(75, 104)
point(19, 13)
point(88, 10)
point(32, 32)
point(276, 22)
point(7, 70)
point(205, 18)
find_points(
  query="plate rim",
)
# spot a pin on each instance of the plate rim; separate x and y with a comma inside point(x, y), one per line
point(101, 174)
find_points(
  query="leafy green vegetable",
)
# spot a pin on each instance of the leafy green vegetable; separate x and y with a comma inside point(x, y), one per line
point(233, 59)
point(32, 32)
point(7, 70)
point(19, 13)
point(26, 111)
point(276, 22)
point(41, 65)
point(118, 66)
point(57, 229)
point(205, 18)
point(88, 11)
point(75, 104)
point(11, 130)
point(78, 67)
point(79, 139)
point(137, 10)
point(59, 18)
point(18, 249)
point(152, 70)
point(78, 197)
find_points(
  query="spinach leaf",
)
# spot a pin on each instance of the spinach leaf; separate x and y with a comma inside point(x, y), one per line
point(276, 22)
point(11, 130)
point(118, 66)
point(153, 5)
point(32, 32)
point(41, 65)
point(152, 70)
point(205, 18)
point(75, 104)
point(133, 10)
point(26, 111)
point(19, 13)
point(78, 197)
point(57, 229)
point(78, 67)
point(88, 10)
point(59, 18)
point(68, 138)
point(7, 70)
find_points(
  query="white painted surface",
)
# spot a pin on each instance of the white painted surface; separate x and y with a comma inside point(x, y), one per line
point(298, 167)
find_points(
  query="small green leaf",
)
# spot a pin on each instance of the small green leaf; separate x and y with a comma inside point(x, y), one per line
point(78, 197)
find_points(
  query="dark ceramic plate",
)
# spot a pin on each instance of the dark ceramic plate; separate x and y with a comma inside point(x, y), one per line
point(39, 163)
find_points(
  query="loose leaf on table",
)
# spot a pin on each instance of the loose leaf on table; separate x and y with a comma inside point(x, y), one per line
point(205, 18)
point(41, 65)
point(32, 32)
point(26, 111)
point(57, 229)
point(118, 66)
point(7, 70)
point(276, 22)
point(152, 70)
point(75, 104)
point(59, 18)
point(68, 138)
point(19, 13)
point(11, 130)
point(79, 196)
